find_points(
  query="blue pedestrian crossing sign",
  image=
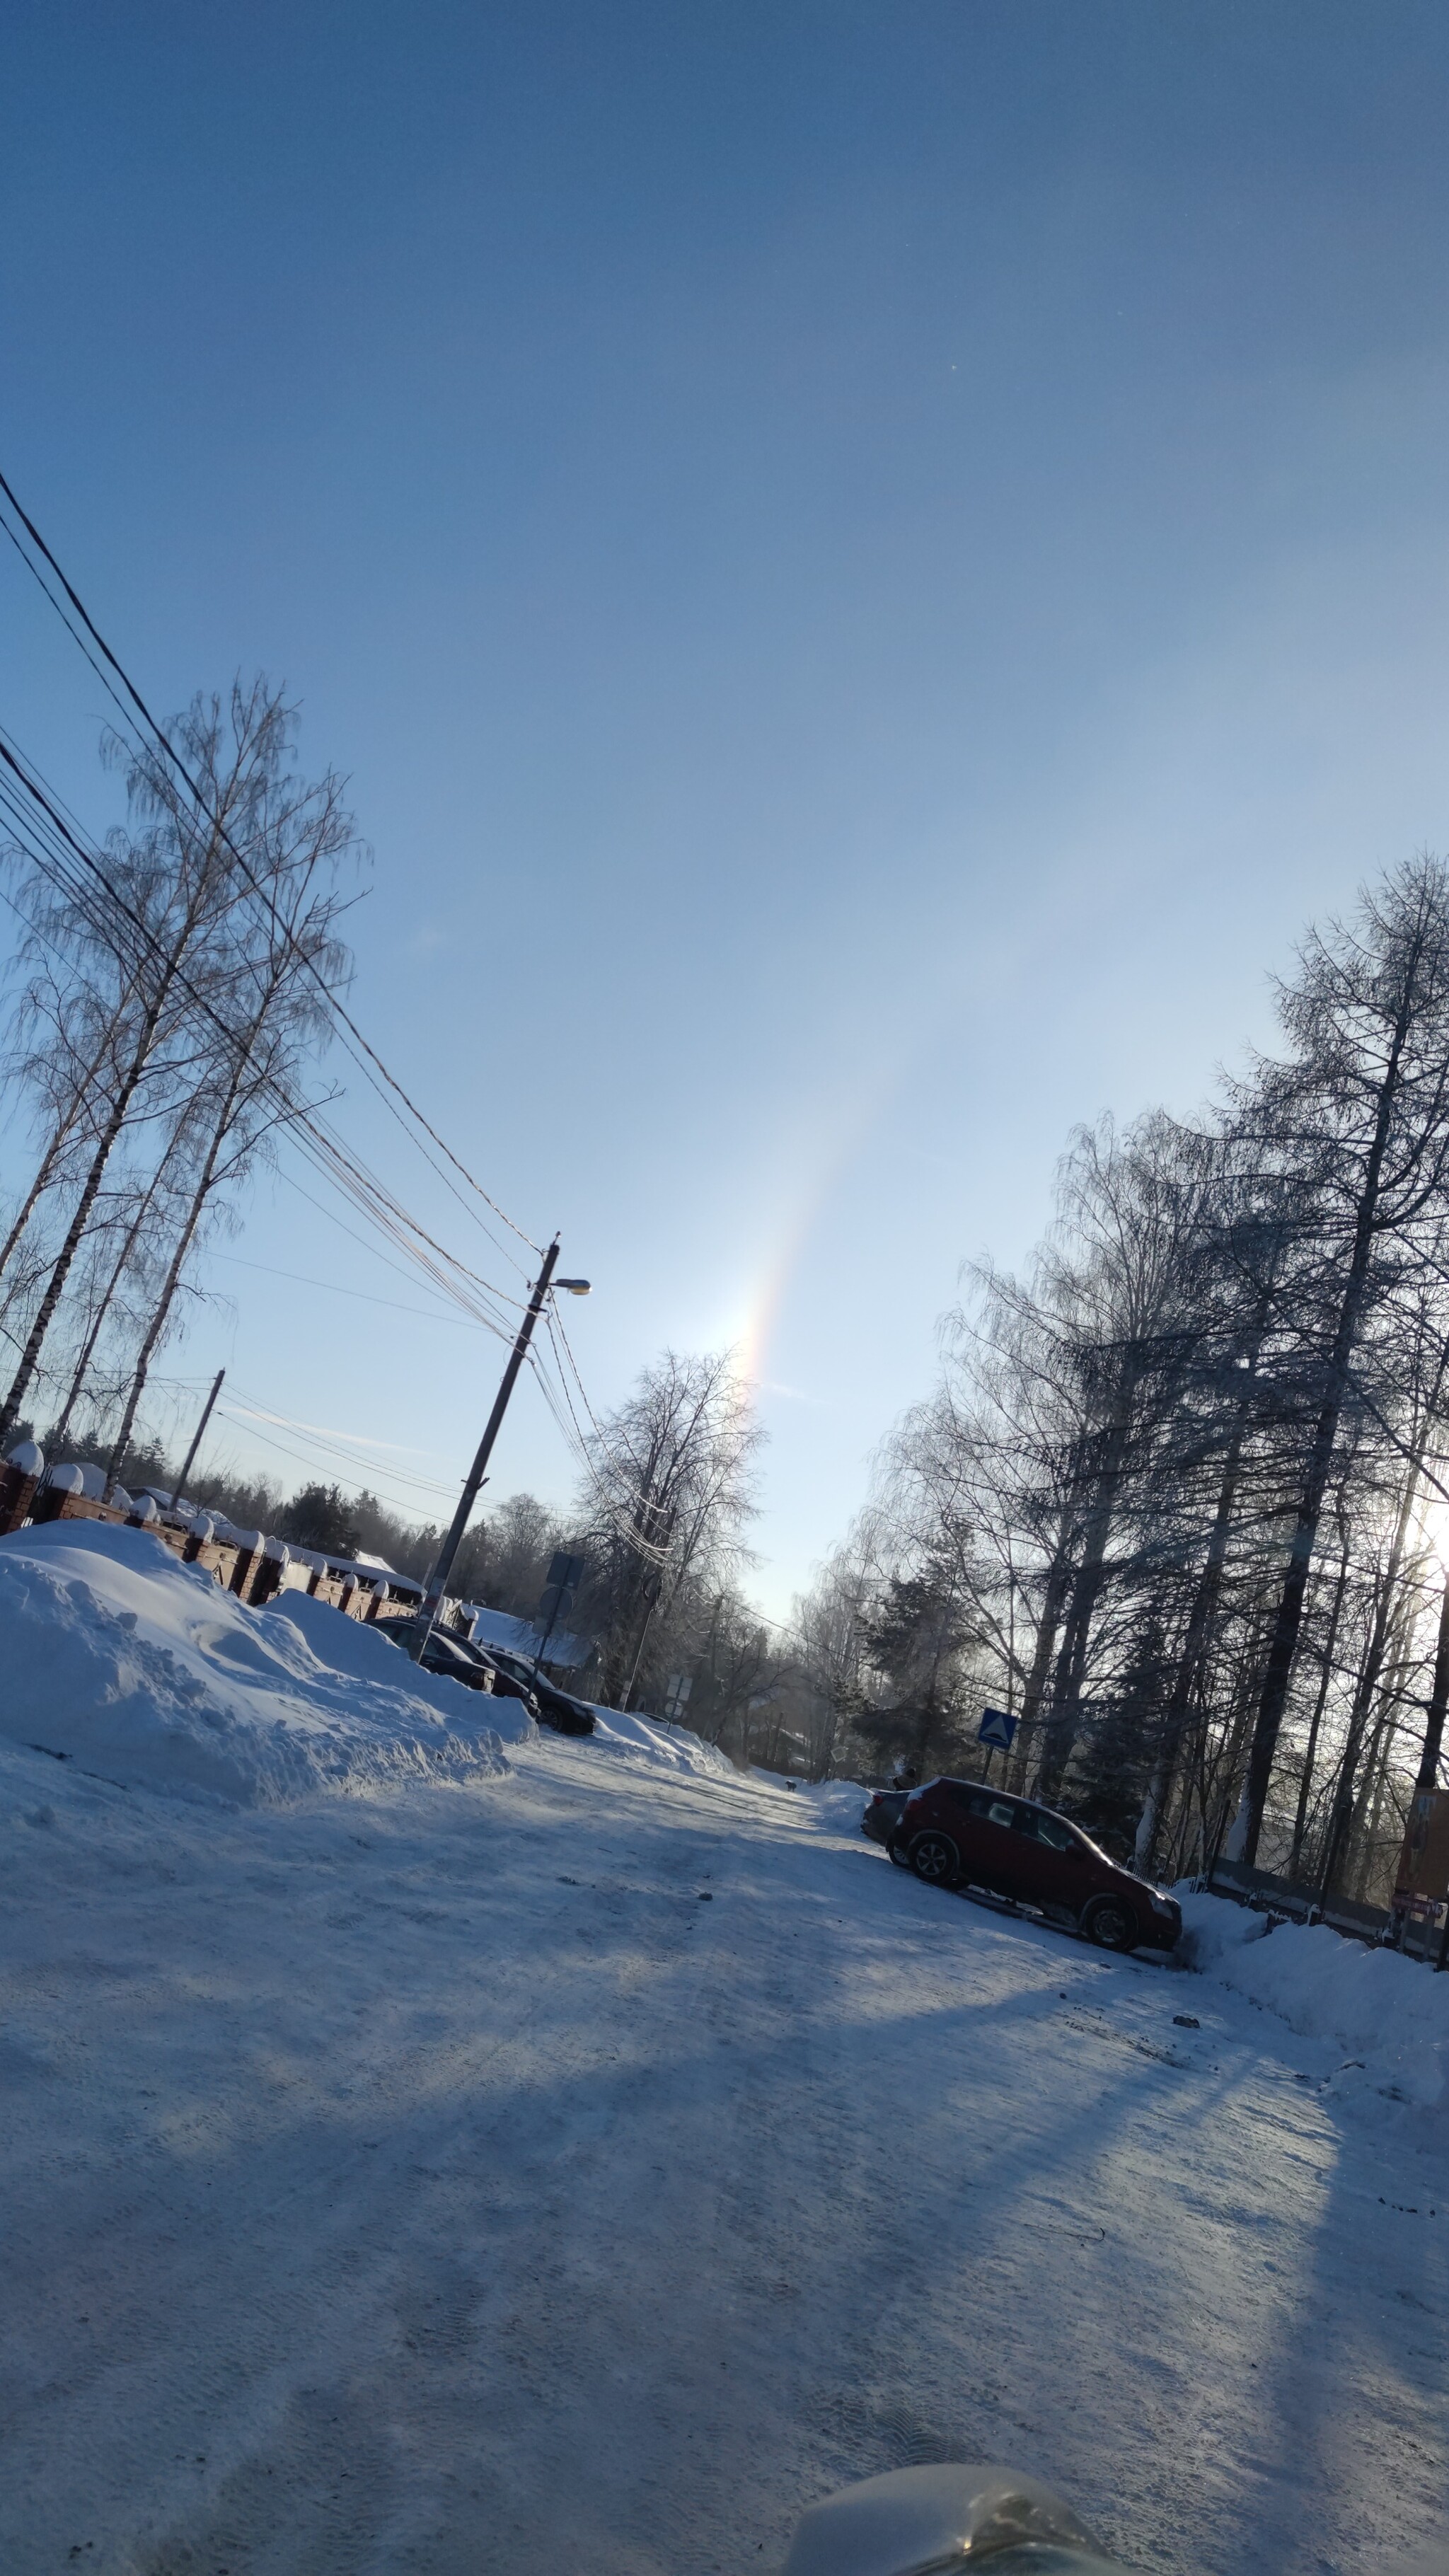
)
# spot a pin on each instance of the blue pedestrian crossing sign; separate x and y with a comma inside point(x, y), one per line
point(997, 1727)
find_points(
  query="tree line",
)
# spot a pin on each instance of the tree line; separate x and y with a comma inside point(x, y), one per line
point(165, 1012)
point(1179, 1500)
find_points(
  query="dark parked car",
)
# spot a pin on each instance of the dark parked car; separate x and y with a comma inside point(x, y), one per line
point(955, 1833)
point(507, 1685)
point(444, 1653)
point(882, 1820)
point(447, 1652)
point(552, 1706)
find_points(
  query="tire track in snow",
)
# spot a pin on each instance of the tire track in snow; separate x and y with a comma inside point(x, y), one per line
point(383, 2203)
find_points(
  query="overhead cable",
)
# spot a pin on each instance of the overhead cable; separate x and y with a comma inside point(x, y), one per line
point(163, 740)
point(336, 1163)
point(337, 1160)
point(341, 1166)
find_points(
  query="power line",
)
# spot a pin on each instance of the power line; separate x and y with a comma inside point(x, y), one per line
point(165, 743)
point(349, 1447)
point(353, 1237)
point(343, 1168)
point(334, 1288)
point(568, 1424)
point(347, 1169)
point(375, 1202)
point(601, 1436)
point(324, 1148)
point(376, 1481)
point(331, 1157)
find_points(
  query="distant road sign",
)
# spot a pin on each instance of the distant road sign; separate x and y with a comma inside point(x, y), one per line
point(997, 1728)
point(564, 1576)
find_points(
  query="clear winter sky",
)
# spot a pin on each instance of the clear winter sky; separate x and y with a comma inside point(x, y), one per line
point(868, 564)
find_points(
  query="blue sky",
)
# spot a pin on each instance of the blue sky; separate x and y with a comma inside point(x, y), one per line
point(868, 565)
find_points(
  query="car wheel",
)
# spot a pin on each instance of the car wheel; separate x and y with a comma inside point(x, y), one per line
point(933, 1858)
point(1111, 1923)
point(901, 1858)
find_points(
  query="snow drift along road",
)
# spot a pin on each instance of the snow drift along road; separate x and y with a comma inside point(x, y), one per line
point(140, 1669)
point(669, 1748)
point(1392, 2012)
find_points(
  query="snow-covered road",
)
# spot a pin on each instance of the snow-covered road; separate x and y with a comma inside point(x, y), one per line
point(435, 2181)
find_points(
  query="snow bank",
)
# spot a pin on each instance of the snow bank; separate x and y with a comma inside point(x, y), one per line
point(367, 1655)
point(672, 1748)
point(1391, 2012)
point(140, 1669)
point(837, 1804)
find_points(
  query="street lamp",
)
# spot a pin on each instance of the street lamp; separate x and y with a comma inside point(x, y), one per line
point(575, 1287)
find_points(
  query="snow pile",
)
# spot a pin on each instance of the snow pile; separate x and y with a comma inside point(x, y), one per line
point(1393, 2013)
point(837, 1804)
point(672, 1748)
point(143, 1671)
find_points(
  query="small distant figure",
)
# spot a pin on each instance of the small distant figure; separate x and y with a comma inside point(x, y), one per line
point(905, 1775)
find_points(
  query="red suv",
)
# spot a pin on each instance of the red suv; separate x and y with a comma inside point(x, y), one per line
point(955, 1833)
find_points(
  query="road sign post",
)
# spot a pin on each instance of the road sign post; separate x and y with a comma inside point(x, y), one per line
point(996, 1730)
point(565, 1574)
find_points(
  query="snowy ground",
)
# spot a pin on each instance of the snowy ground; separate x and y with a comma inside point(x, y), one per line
point(429, 2179)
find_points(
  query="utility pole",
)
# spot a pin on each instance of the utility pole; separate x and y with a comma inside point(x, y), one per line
point(190, 1457)
point(422, 1627)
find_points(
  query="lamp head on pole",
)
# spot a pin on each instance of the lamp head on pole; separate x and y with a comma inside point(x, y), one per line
point(575, 1287)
